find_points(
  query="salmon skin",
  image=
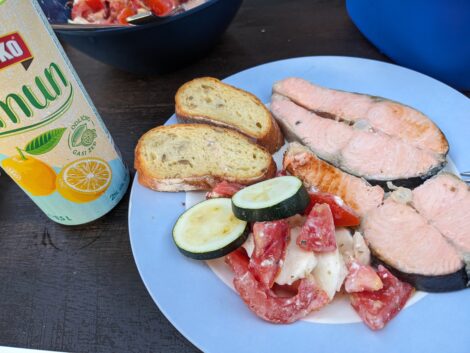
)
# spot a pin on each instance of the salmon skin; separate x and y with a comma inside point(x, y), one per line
point(426, 238)
point(436, 284)
point(355, 192)
point(366, 136)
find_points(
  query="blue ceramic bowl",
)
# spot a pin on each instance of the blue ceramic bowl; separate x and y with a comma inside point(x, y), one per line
point(154, 47)
point(431, 36)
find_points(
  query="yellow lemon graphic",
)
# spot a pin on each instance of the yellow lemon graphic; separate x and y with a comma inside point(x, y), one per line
point(31, 174)
point(84, 180)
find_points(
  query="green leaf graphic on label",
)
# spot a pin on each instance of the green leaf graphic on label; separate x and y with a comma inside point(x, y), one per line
point(77, 135)
point(45, 142)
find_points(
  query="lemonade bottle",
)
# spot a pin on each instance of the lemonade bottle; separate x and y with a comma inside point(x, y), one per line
point(53, 143)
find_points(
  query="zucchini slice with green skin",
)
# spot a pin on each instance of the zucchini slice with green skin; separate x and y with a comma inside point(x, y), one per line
point(271, 199)
point(209, 230)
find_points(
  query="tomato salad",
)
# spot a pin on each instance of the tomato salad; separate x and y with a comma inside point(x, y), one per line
point(277, 237)
point(117, 11)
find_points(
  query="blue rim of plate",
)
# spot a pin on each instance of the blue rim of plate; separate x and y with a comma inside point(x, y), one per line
point(213, 317)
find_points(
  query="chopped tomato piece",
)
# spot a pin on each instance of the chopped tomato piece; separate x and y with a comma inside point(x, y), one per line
point(270, 240)
point(318, 231)
point(117, 6)
point(376, 308)
point(362, 278)
point(281, 172)
point(95, 5)
point(161, 7)
point(265, 303)
point(80, 9)
point(124, 14)
point(224, 189)
point(343, 215)
point(238, 261)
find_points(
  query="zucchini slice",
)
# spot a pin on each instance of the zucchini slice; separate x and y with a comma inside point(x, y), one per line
point(209, 230)
point(271, 199)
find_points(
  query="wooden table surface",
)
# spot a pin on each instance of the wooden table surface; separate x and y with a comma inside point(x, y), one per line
point(77, 288)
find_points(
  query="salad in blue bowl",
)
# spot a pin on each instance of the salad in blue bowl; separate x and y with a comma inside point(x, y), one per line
point(176, 32)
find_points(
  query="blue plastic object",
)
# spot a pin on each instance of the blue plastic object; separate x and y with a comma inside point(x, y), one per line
point(431, 36)
point(154, 47)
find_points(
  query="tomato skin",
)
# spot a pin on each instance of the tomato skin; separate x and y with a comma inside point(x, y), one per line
point(362, 278)
point(224, 189)
point(270, 240)
point(95, 5)
point(239, 261)
point(161, 7)
point(80, 9)
point(318, 231)
point(377, 308)
point(124, 14)
point(343, 215)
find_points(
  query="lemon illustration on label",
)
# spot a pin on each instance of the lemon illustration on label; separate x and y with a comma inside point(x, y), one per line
point(84, 180)
point(31, 174)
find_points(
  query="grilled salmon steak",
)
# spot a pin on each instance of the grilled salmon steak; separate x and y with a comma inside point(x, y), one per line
point(366, 136)
point(314, 172)
point(425, 239)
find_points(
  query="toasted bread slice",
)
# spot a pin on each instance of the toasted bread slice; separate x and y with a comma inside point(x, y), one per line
point(185, 157)
point(208, 100)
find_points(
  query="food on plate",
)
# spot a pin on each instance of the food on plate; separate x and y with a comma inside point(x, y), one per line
point(292, 264)
point(208, 100)
point(381, 114)
point(401, 237)
point(276, 198)
point(376, 308)
point(265, 303)
point(117, 11)
point(209, 230)
point(318, 231)
point(330, 272)
point(444, 201)
point(424, 240)
point(270, 243)
point(352, 248)
point(314, 172)
point(361, 278)
point(358, 148)
point(361, 252)
point(224, 189)
point(197, 157)
point(298, 263)
point(343, 215)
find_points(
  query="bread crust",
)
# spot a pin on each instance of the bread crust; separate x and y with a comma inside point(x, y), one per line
point(204, 182)
point(273, 140)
